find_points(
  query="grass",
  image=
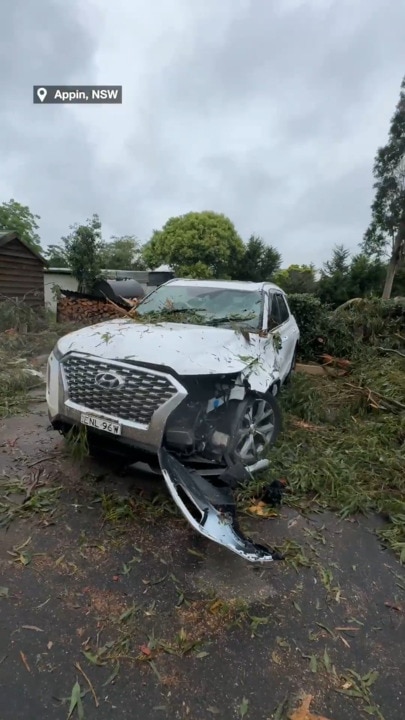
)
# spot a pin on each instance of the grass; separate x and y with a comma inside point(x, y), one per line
point(339, 452)
point(24, 335)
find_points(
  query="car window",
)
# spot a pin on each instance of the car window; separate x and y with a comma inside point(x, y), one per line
point(283, 309)
point(273, 313)
point(278, 311)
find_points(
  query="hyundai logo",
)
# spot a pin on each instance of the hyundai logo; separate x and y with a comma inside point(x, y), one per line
point(109, 380)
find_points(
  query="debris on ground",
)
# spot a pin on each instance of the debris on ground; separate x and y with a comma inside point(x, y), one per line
point(303, 712)
point(343, 445)
point(261, 509)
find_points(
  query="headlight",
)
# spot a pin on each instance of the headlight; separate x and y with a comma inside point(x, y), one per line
point(57, 353)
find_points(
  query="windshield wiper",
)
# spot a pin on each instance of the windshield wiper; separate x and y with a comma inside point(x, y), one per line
point(174, 311)
point(230, 318)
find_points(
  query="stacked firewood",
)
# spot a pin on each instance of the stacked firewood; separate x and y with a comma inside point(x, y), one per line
point(83, 310)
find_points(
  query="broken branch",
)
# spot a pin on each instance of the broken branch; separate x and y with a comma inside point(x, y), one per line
point(391, 350)
point(376, 400)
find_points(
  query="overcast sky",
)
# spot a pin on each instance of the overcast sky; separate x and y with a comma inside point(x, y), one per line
point(269, 111)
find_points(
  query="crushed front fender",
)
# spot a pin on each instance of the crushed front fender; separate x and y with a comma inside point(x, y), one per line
point(209, 509)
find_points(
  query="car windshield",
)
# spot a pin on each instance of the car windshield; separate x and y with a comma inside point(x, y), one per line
point(204, 305)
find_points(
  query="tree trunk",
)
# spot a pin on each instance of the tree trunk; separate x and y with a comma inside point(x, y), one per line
point(397, 251)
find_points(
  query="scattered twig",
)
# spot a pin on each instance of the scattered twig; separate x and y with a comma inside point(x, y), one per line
point(88, 681)
point(394, 606)
point(391, 350)
point(376, 400)
point(32, 627)
point(122, 311)
point(36, 481)
point(43, 459)
point(25, 661)
point(347, 629)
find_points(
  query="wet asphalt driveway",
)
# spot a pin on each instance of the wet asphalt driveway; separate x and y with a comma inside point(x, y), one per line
point(111, 606)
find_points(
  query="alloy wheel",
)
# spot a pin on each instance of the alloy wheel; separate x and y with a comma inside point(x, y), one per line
point(255, 431)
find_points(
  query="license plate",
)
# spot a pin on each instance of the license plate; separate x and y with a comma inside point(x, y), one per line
point(101, 424)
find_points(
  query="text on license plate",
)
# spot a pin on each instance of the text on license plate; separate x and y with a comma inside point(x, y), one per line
point(101, 424)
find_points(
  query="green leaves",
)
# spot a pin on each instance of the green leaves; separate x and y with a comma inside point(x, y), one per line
point(76, 702)
point(83, 253)
point(387, 226)
point(94, 658)
point(359, 687)
point(258, 262)
point(296, 279)
point(122, 253)
point(243, 708)
point(201, 245)
point(18, 218)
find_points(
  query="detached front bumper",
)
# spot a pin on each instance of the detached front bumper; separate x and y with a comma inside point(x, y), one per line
point(210, 510)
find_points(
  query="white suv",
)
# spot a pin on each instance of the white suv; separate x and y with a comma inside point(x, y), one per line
point(192, 379)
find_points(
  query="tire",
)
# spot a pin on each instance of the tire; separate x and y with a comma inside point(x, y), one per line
point(240, 430)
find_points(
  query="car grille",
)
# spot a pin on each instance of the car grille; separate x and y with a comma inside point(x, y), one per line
point(136, 400)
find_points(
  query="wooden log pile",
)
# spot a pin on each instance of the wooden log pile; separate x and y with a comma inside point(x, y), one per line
point(86, 311)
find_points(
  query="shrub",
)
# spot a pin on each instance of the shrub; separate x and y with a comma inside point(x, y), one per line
point(347, 331)
point(20, 316)
point(310, 315)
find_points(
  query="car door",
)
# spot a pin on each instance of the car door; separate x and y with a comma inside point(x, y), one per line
point(289, 331)
point(281, 322)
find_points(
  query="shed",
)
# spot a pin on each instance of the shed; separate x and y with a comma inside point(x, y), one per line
point(21, 270)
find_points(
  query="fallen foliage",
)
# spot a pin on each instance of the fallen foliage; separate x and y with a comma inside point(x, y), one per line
point(343, 445)
point(17, 378)
point(22, 497)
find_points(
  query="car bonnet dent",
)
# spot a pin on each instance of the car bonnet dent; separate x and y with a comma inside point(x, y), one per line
point(214, 511)
point(187, 349)
point(262, 366)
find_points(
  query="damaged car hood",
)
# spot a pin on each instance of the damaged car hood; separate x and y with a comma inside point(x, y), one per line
point(187, 349)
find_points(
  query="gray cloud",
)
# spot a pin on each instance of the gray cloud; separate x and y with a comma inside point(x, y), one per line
point(269, 115)
point(50, 159)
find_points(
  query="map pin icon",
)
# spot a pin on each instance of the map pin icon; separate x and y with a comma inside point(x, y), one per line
point(42, 93)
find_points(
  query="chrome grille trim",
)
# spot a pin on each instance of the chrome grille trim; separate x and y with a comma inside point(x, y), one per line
point(143, 393)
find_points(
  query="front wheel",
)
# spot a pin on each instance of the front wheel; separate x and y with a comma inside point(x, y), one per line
point(255, 427)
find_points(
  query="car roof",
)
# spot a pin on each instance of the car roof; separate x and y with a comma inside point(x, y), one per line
point(236, 284)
